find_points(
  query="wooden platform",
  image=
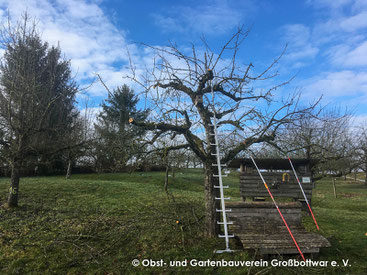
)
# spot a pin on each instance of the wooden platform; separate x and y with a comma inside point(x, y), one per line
point(259, 227)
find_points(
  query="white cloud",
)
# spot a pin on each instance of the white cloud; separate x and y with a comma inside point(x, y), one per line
point(330, 4)
point(359, 5)
point(354, 23)
point(341, 27)
point(340, 21)
point(358, 56)
point(80, 10)
point(84, 33)
point(339, 40)
point(297, 34)
point(216, 17)
point(338, 84)
point(300, 45)
point(307, 51)
point(167, 23)
point(347, 56)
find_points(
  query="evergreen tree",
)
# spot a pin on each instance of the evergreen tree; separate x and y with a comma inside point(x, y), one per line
point(37, 96)
point(117, 140)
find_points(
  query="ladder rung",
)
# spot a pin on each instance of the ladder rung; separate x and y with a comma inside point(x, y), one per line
point(224, 186)
point(212, 134)
point(224, 236)
point(225, 250)
point(226, 210)
point(214, 154)
point(227, 198)
point(217, 176)
point(223, 165)
point(213, 144)
point(223, 222)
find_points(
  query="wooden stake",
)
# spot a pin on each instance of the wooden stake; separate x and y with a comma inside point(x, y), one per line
point(334, 187)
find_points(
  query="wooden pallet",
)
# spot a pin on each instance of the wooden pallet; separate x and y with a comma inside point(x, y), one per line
point(259, 227)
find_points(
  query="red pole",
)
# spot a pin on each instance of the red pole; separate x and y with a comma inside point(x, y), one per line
point(303, 192)
point(280, 213)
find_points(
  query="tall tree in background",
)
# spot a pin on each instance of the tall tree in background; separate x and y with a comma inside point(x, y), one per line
point(360, 147)
point(77, 142)
point(178, 89)
point(37, 97)
point(117, 141)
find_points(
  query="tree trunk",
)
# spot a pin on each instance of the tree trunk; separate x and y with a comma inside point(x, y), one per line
point(166, 179)
point(173, 172)
point(14, 185)
point(211, 204)
point(68, 172)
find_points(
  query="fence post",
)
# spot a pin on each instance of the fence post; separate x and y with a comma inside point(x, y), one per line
point(334, 187)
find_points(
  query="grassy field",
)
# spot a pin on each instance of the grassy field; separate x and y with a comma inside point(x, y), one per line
point(98, 224)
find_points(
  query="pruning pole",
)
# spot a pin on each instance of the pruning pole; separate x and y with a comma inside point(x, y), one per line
point(280, 213)
point(303, 193)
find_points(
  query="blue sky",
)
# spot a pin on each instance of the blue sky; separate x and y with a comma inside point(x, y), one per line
point(327, 39)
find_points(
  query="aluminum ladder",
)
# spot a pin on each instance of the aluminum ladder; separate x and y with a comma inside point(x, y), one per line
point(221, 187)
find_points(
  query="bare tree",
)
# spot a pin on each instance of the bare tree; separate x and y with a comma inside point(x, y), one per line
point(323, 136)
point(77, 142)
point(178, 90)
point(37, 97)
point(360, 146)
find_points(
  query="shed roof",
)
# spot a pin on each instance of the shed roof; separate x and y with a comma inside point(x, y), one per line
point(272, 163)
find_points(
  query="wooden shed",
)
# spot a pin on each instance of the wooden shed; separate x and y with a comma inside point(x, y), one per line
point(278, 175)
point(257, 223)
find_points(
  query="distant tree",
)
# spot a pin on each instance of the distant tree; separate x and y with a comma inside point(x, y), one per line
point(360, 146)
point(117, 141)
point(77, 142)
point(323, 136)
point(37, 96)
point(192, 161)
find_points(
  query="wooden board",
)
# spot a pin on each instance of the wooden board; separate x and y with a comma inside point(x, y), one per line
point(282, 240)
point(259, 184)
point(251, 185)
point(260, 204)
point(245, 213)
point(259, 227)
point(255, 174)
point(283, 251)
point(247, 194)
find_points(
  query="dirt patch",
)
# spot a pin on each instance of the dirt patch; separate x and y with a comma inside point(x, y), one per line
point(350, 195)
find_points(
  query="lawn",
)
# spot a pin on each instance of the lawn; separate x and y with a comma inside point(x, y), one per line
point(100, 223)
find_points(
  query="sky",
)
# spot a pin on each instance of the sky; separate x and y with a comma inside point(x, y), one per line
point(326, 39)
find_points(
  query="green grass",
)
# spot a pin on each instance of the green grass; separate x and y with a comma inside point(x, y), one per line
point(97, 224)
point(360, 176)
